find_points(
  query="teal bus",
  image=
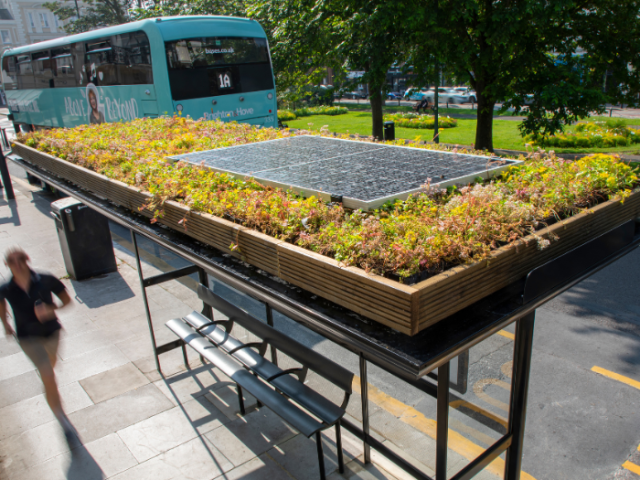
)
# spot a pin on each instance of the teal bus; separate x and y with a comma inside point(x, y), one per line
point(209, 67)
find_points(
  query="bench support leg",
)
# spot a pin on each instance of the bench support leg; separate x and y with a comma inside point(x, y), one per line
point(203, 360)
point(339, 447)
point(320, 455)
point(241, 400)
point(184, 356)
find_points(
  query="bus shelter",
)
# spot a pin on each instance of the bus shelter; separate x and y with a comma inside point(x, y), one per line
point(414, 359)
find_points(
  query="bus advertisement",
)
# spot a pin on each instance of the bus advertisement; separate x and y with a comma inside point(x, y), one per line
point(199, 66)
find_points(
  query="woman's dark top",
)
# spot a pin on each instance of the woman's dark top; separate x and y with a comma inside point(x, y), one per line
point(23, 304)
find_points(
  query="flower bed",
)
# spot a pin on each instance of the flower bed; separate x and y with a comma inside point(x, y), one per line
point(321, 110)
point(457, 231)
point(285, 115)
point(590, 135)
point(415, 120)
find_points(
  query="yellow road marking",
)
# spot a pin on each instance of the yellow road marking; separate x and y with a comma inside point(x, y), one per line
point(478, 389)
point(507, 368)
point(492, 416)
point(506, 334)
point(618, 377)
point(409, 415)
point(632, 467)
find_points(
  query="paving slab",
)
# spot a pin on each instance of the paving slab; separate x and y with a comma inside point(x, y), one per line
point(98, 460)
point(299, 455)
point(119, 412)
point(199, 381)
point(260, 468)
point(114, 382)
point(20, 387)
point(250, 436)
point(34, 411)
point(196, 459)
point(72, 346)
point(357, 470)
point(167, 430)
point(225, 399)
point(15, 364)
point(8, 346)
point(30, 448)
point(88, 364)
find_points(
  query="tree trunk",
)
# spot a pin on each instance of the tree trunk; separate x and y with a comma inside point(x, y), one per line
point(484, 126)
point(375, 96)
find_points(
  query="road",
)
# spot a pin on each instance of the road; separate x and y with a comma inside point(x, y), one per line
point(584, 397)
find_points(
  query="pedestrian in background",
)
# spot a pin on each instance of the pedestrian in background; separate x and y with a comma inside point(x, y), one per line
point(36, 326)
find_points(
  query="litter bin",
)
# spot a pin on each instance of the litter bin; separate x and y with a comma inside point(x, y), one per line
point(389, 131)
point(85, 239)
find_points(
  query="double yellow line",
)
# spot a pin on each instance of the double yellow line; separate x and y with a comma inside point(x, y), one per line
point(409, 415)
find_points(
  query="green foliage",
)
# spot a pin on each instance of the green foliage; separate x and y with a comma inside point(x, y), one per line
point(310, 35)
point(428, 233)
point(322, 110)
point(285, 115)
point(152, 9)
point(98, 14)
point(415, 120)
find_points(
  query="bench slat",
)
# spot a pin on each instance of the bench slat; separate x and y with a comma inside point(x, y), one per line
point(317, 404)
point(282, 407)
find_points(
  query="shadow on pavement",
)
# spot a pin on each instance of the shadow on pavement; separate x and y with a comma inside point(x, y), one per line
point(112, 287)
point(83, 466)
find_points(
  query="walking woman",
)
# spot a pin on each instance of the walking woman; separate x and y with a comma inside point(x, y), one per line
point(36, 326)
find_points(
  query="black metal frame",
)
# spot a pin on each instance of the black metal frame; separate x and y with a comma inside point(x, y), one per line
point(515, 304)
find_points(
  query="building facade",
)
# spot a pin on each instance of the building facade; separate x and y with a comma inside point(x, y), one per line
point(23, 22)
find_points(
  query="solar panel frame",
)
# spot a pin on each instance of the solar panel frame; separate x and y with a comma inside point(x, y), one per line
point(355, 188)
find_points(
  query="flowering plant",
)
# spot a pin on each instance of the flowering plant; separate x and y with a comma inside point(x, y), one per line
point(429, 232)
point(590, 135)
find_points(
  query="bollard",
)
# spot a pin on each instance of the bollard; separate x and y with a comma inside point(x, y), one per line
point(389, 131)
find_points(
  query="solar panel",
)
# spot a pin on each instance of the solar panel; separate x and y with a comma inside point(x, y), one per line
point(359, 174)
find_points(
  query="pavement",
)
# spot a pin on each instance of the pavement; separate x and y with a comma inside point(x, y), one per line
point(584, 398)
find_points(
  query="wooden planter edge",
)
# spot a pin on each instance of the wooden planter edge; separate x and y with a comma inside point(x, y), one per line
point(406, 308)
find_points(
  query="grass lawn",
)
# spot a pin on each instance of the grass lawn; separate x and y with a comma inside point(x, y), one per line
point(505, 132)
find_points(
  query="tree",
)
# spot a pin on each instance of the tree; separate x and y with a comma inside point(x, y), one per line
point(308, 36)
point(236, 8)
point(98, 13)
point(523, 51)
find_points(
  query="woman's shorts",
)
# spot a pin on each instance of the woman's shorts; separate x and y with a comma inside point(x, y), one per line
point(42, 351)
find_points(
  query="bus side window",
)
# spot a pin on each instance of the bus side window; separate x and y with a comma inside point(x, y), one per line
point(99, 63)
point(64, 73)
point(24, 72)
point(42, 71)
point(9, 73)
point(132, 55)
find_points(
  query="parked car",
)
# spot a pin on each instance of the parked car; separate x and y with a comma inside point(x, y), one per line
point(467, 92)
point(394, 96)
point(354, 95)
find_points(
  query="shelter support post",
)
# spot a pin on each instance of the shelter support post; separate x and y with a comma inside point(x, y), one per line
point(145, 300)
point(364, 392)
point(523, 347)
point(442, 429)
point(207, 311)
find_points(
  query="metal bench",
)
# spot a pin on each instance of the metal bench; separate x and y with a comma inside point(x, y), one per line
point(303, 408)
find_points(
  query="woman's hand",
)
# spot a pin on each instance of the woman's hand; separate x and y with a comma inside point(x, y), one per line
point(45, 312)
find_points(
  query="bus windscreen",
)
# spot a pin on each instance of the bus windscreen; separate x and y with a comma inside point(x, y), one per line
point(214, 66)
